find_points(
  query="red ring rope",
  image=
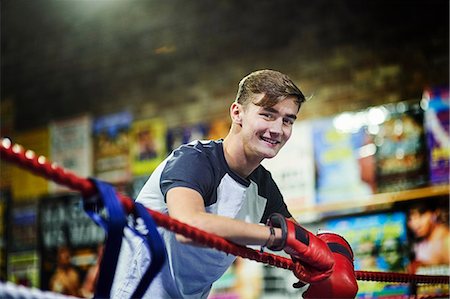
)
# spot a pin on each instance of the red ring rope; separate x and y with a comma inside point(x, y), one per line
point(41, 166)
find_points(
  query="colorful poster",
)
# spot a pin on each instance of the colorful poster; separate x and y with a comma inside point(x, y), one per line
point(437, 130)
point(25, 184)
point(429, 230)
point(344, 169)
point(293, 168)
point(67, 232)
point(379, 243)
point(71, 147)
point(148, 146)
point(112, 147)
point(184, 134)
point(401, 153)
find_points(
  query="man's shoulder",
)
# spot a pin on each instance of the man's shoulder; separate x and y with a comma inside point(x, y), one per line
point(200, 148)
point(198, 154)
point(203, 145)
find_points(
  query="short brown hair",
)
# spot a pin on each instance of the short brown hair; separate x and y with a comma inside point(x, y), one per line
point(274, 85)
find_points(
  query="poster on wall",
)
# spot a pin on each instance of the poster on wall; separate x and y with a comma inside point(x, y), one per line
point(401, 149)
point(429, 231)
point(24, 184)
point(345, 171)
point(293, 168)
point(71, 147)
point(437, 130)
point(112, 147)
point(148, 146)
point(183, 134)
point(67, 231)
point(379, 243)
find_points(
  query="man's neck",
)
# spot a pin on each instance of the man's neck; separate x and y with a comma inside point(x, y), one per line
point(236, 158)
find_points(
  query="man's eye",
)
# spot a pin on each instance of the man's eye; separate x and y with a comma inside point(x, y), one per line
point(288, 121)
point(267, 115)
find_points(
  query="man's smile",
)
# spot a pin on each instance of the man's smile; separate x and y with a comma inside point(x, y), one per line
point(270, 140)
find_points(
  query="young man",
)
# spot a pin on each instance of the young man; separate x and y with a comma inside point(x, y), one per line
point(220, 187)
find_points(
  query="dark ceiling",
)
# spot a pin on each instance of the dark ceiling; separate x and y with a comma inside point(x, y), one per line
point(64, 57)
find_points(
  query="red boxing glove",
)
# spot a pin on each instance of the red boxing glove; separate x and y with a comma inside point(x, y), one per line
point(317, 259)
point(342, 283)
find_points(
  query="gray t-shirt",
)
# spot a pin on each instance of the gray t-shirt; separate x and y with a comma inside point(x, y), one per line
point(190, 271)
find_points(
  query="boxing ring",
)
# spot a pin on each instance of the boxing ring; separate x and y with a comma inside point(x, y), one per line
point(98, 195)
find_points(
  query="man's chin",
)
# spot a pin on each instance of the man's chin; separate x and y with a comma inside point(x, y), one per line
point(270, 155)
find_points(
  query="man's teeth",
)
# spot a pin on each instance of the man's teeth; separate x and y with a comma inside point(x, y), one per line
point(270, 140)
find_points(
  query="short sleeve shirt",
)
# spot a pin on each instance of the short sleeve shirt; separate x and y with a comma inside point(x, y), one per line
point(201, 166)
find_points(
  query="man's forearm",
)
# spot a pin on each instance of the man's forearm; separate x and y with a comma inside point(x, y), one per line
point(236, 231)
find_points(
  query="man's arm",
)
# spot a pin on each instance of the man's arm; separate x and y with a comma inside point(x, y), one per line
point(187, 206)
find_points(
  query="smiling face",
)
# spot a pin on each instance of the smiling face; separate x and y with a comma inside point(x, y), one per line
point(265, 130)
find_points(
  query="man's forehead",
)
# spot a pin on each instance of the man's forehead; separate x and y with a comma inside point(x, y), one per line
point(273, 109)
point(279, 105)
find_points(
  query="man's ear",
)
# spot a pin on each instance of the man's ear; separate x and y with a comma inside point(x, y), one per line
point(236, 113)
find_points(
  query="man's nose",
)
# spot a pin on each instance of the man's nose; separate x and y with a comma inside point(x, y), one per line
point(276, 126)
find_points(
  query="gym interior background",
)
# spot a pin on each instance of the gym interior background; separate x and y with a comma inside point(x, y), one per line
point(180, 62)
